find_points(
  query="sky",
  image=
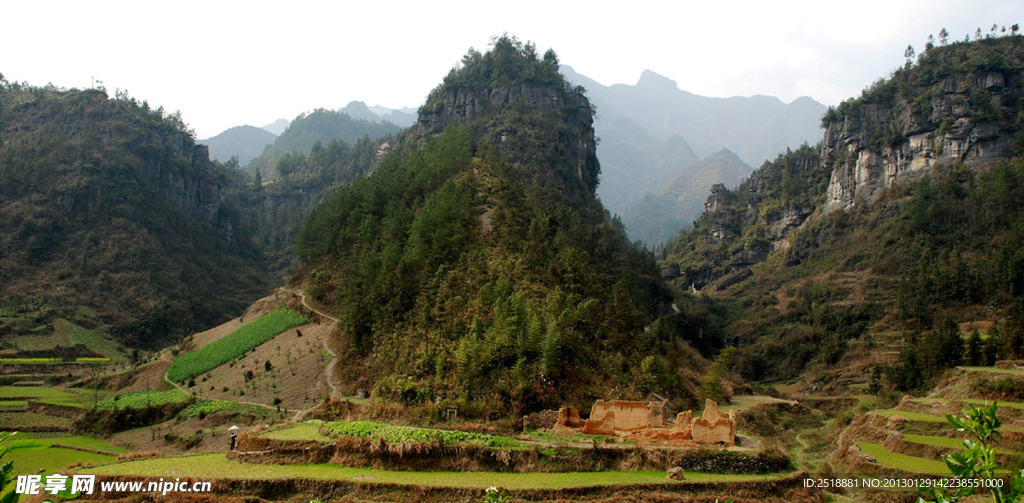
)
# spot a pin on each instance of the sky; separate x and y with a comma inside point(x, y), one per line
point(224, 64)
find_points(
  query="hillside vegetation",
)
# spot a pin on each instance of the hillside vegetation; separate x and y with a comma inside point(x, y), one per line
point(802, 275)
point(476, 266)
point(319, 127)
point(112, 218)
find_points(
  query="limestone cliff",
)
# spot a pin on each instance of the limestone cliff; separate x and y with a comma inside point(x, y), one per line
point(924, 118)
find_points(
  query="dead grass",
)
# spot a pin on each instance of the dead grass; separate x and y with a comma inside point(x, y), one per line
point(148, 376)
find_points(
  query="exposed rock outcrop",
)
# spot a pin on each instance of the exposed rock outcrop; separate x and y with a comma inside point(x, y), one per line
point(719, 198)
point(462, 104)
point(948, 131)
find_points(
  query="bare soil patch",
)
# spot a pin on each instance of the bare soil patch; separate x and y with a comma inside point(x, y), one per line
point(296, 373)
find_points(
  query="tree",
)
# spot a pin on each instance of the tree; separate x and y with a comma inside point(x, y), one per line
point(551, 58)
point(978, 459)
point(909, 54)
point(974, 351)
point(1013, 31)
point(710, 386)
point(7, 469)
point(977, 35)
point(943, 36)
point(949, 349)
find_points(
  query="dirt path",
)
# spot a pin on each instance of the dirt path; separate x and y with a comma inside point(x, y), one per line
point(331, 373)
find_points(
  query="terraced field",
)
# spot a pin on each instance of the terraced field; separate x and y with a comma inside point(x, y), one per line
point(216, 465)
point(18, 421)
point(912, 416)
point(995, 370)
point(51, 459)
point(902, 461)
point(975, 401)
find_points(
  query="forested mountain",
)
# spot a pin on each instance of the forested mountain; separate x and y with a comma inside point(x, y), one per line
point(756, 128)
point(275, 211)
point(246, 142)
point(321, 126)
point(112, 220)
point(906, 217)
point(660, 216)
point(475, 265)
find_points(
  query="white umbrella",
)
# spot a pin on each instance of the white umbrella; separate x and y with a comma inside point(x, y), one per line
point(234, 428)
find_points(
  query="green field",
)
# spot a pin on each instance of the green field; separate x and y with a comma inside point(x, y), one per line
point(32, 392)
point(13, 404)
point(975, 401)
point(93, 339)
point(85, 398)
point(52, 459)
point(912, 416)
point(391, 433)
point(215, 465)
point(76, 441)
point(955, 443)
point(902, 461)
point(233, 345)
point(298, 431)
point(142, 399)
point(15, 421)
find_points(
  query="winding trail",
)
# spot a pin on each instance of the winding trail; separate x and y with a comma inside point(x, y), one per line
point(332, 366)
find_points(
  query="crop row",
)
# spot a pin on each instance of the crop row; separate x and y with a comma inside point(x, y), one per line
point(234, 345)
point(142, 399)
point(204, 406)
point(391, 433)
point(30, 360)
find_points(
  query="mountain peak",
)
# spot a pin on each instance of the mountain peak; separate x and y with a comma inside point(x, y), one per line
point(359, 110)
point(654, 80)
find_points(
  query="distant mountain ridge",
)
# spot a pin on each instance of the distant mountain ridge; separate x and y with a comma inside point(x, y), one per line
point(659, 217)
point(756, 128)
point(402, 118)
point(277, 127)
point(246, 142)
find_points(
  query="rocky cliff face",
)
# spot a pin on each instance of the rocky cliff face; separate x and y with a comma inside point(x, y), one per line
point(878, 144)
point(459, 105)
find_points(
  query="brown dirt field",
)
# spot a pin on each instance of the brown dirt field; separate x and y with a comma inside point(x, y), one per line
point(297, 376)
point(151, 438)
point(149, 376)
point(982, 326)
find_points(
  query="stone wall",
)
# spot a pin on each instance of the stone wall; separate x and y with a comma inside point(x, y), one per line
point(629, 415)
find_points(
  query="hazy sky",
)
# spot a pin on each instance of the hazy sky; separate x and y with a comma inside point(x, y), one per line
point(230, 63)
